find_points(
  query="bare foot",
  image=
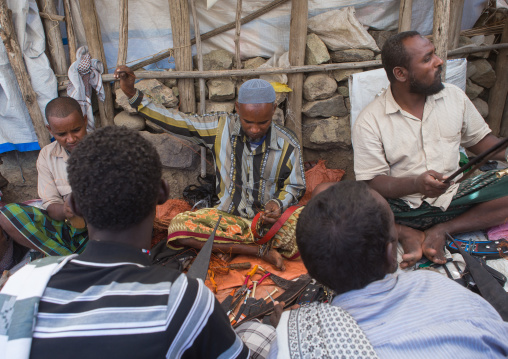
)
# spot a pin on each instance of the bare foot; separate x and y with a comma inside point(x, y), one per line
point(433, 245)
point(411, 241)
point(274, 258)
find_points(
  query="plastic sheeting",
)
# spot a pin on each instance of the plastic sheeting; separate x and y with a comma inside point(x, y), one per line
point(16, 129)
point(150, 27)
point(364, 86)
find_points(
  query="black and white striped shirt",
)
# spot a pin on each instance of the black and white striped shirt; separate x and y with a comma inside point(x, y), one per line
point(110, 303)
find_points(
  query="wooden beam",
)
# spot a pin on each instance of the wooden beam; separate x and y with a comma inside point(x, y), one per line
point(456, 7)
point(94, 41)
point(54, 37)
point(297, 44)
point(9, 38)
point(123, 33)
point(498, 93)
point(202, 92)
point(212, 33)
point(51, 17)
point(405, 13)
point(238, 28)
point(180, 26)
point(71, 36)
point(440, 30)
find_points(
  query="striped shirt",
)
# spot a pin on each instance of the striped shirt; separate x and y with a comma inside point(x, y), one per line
point(110, 303)
point(246, 179)
point(426, 315)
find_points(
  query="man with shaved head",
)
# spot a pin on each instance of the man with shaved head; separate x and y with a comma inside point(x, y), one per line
point(48, 229)
point(258, 168)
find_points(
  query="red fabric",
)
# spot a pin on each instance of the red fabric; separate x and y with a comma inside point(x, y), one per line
point(319, 174)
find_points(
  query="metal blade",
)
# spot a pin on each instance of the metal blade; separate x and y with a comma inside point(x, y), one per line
point(199, 268)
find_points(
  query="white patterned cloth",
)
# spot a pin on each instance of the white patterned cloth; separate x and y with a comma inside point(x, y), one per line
point(85, 75)
point(19, 302)
point(320, 330)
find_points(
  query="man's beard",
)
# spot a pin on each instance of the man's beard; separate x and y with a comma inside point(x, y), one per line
point(419, 88)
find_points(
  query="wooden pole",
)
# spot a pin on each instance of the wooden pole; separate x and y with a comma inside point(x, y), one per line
point(214, 32)
point(297, 44)
point(405, 13)
point(456, 7)
point(53, 37)
point(10, 41)
point(94, 41)
point(498, 93)
point(180, 26)
point(440, 30)
point(202, 92)
point(123, 33)
point(238, 28)
point(71, 36)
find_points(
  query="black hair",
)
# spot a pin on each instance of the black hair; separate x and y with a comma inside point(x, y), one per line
point(394, 53)
point(342, 236)
point(61, 107)
point(115, 176)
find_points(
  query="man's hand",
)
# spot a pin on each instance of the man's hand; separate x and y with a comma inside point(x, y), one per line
point(67, 208)
point(272, 212)
point(430, 184)
point(127, 79)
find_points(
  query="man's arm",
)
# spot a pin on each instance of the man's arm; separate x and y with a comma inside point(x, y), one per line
point(429, 184)
point(52, 201)
point(198, 129)
point(487, 142)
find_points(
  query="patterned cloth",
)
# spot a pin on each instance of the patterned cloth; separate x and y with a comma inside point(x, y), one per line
point(19, 301)
point(232, 229)
point(257, 337)
point(85, 75)
point(52, 237)
point(482, 188)
point(246, 179)
point(320, 330)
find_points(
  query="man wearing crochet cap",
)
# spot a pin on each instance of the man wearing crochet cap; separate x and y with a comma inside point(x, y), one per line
point(258, 168)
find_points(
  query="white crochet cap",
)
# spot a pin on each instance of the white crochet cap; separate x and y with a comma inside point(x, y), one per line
point(256, 91)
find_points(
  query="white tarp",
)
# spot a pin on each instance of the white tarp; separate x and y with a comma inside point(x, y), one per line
point(16, 128)
point(150, 27)
point(365, 86)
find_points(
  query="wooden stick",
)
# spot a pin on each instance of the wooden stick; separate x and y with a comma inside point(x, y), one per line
point(238, 26)
point(285, 70)
point(69, 24)
point(498, 93)
point(456, 8)
point(15, 55)
point(53, 36)
point(94, 41)
point(123, 33)
point(180, 26)
point(202, 92)
point(51, 17)
point(440, 30)
point(297, 44)
point(212, 33)
point(405, 13)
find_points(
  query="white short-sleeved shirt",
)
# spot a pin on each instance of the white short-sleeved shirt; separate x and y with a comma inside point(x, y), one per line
point(390, 141)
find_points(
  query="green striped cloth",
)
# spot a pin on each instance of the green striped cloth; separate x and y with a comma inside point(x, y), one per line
point(51, 237)
point(482, 188)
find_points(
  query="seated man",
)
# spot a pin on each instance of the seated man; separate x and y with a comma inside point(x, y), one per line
point(47, 230)
point(347, 239)
point(258, 166)
point(109, 302)
point(406, 142)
